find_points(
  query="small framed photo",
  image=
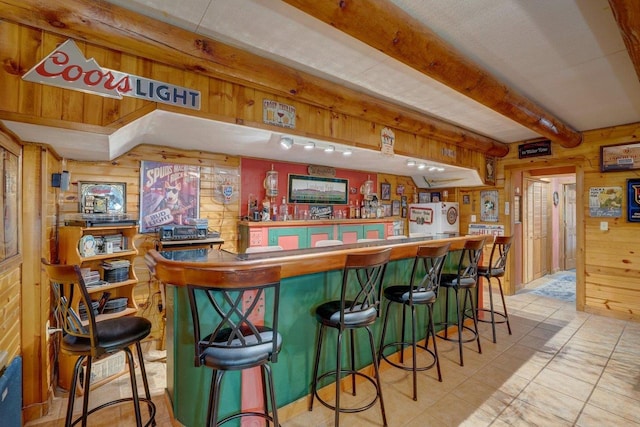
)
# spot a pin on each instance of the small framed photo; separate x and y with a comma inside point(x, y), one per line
point(387, 209)
point(424, 197)
point(466, 199)
point(403, 201)
point(404, 212)
point(435, 196)
point(385, 191)
point(395, 208)
point(400, 190)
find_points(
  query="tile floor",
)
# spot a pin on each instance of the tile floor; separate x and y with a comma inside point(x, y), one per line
point(560, 367)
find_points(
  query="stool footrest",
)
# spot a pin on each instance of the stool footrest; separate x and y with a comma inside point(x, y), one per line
point(496, 313)
point(409, 368)
point(150, 405)
point(349, 410)
point(453, 335)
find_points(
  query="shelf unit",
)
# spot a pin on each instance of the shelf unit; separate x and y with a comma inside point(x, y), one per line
point(69, 241)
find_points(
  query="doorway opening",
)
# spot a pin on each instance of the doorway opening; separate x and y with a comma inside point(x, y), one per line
point(548, 225)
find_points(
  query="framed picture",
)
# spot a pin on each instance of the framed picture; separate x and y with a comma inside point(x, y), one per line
point(387, 209)
point(633, 200)
point(169, 194)
point(404, 212)
point(395, 208)
point(620, 157)
point(315, 189)
point(489, 206)
point(403, 201)
point(490, 167)
point(400, 190)
point(102, 197)
point(424, 197)
point(466, 199)
point(385, 191)
point(435, 196)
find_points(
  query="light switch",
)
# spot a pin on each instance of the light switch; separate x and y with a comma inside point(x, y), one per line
point(473, 218)
point(604, 226)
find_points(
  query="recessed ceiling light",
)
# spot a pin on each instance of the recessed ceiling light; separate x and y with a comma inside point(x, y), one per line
point(347, 152)
point(329, 149)
point(309, 145)
point(421, 166)
point(411, 162)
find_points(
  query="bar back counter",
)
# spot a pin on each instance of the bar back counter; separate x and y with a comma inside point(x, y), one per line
point(309, 277)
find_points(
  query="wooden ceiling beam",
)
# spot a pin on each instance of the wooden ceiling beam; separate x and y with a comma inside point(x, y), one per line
point(103, 24)
point(627, 14)
point(389, 29)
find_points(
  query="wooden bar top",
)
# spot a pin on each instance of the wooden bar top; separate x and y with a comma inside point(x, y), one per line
point(168, 266)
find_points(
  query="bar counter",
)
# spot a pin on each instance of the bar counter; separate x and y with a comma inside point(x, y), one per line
point(309, 277)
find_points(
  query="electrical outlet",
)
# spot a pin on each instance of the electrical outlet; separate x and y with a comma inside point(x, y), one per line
point(604, 226)
point(473, 218)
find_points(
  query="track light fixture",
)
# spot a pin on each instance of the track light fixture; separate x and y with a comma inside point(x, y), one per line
point(286, 142)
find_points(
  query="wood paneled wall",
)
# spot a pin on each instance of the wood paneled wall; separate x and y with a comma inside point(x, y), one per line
point(23, 47)
point(608, 262)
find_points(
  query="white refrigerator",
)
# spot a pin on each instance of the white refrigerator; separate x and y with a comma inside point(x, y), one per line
point(434, 218)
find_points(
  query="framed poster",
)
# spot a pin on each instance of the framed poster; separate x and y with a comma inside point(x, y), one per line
point(169, 194)
point(489, 206)
point(315, 189)
point(102, 197)
point(387, 209)
point(605, 202)
point(385, 191)
point(620, 157)
point(633, 200)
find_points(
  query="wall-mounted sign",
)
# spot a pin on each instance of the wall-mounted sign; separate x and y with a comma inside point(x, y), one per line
point(325, 171)
point(388, 139)
point(66, 67)
point(534, 149)
point(278, 114)
point(633, 200)
point(620, 157)
point(448, 152)
point(605, 202)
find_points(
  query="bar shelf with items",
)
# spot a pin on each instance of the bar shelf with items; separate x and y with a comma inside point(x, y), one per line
point(105, 254)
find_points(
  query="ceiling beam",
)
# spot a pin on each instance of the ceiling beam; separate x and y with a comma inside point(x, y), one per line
point(391, 30)
point(627, 14)
point(107, 25)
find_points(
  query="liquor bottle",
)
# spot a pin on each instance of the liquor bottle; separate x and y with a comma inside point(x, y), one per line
point(284, 210)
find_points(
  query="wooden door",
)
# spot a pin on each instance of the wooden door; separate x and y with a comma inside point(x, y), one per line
point(537, 238)
point(569, 219)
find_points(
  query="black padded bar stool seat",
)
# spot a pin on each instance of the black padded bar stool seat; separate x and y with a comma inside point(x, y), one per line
point(91, 340)
point(422, 290)
point(496, 269)
point(356, 309)
point(464, 280)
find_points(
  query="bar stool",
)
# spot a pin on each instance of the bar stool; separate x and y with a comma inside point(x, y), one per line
point(422, 290)
point(91, 340)
point(496, 268)
point(357, 308)
point(464, 280)
point(235, 327)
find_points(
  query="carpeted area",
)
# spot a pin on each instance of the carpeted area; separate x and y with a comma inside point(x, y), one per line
point(561, 285)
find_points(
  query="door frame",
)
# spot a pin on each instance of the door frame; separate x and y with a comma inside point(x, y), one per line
point(510, 191)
